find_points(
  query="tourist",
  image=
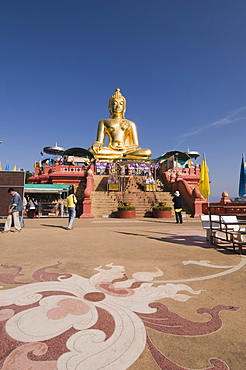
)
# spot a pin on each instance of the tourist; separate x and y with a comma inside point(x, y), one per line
point(15, 207)
point(22, 223)
point(177, 201)
point(71, 204)
point(32, 204)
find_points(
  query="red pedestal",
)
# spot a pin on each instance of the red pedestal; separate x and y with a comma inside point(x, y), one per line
point(162, 214)
point(123, 213)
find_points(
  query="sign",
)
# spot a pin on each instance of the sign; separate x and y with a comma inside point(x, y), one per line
point(113, 187)
point(113, 182)
point(150, 187)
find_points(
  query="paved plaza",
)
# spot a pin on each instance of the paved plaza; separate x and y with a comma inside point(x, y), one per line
point(120, 294)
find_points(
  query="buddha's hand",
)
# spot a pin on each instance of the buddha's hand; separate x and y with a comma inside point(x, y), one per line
point(96, 146)
point(133, 147)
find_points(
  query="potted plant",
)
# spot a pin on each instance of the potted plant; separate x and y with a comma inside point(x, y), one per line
point(162, 212)
point(126, 202)
point(126, 212)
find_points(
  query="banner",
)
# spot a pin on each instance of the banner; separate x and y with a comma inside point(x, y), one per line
point(242, 179)
point(204, 186)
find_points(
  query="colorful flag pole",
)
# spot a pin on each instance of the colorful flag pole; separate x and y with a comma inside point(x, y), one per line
point(204, 186)
point(7, 167)
point(14, 169)
point(1, 166)
point(242, 179)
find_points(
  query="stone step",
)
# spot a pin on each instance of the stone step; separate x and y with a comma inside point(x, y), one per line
point(106, 203)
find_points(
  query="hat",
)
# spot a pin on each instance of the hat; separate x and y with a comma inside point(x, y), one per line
point(177, 193)
point(11, 189)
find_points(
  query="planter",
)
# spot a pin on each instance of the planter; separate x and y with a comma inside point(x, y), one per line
point(125, 213)
point(162, 214)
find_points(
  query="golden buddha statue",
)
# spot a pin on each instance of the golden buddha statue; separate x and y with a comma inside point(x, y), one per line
point(122, 134)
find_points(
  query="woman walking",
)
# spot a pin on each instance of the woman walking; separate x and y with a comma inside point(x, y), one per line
point(71, 204)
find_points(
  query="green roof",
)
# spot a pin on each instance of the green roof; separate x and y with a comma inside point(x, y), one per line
point(46, 188)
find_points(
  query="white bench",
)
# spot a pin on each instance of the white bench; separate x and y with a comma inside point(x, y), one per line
point(226, 225)
point(231, 224)
point(206, 225)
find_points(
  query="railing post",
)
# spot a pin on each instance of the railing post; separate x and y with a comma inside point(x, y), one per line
point(87, 196)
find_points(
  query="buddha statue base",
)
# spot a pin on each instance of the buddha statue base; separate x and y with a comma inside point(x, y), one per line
point(139, 154)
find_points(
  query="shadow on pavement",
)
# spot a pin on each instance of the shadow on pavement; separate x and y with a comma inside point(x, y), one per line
point(58, 226)
point(196, 240)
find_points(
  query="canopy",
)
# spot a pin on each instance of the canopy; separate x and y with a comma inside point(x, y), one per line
point(47, 188)
point(182, 156)
point(78, 152)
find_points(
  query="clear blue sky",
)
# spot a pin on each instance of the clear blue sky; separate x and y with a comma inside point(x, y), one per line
point(180, 65)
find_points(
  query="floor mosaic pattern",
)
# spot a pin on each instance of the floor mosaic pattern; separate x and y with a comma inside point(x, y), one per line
point(67, 321)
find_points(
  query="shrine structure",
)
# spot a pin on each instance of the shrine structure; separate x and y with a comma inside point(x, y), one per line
point(124, 158)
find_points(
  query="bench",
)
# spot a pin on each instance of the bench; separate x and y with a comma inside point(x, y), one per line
point(206, 225)
point(228, 226)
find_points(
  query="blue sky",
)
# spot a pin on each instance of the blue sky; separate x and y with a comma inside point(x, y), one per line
point(180, 65)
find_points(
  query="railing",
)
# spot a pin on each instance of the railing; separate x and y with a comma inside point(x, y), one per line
point(235, 208)
point(229, 228)
point(182, 172)
point(188, 188)
point(49, 169)
point(73, 169)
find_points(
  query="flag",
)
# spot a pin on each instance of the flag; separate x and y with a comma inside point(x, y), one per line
point(1, 166)
point(204, 186)
point(14, 169)
point(242, 179)
point(7, 167)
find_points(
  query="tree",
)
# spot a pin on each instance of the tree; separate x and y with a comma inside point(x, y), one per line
point(28, 174)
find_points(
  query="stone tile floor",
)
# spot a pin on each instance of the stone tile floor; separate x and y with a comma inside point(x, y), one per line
point(120, 294)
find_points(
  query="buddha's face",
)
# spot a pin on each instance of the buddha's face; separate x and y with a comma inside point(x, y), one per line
point(117, 107)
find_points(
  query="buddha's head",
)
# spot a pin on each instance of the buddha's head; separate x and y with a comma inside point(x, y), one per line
point(117, 104)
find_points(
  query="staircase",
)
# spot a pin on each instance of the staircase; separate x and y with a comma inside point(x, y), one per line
point(142, 200)
point(105, 203)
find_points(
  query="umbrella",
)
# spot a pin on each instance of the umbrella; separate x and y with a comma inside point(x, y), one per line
point(54, 150)
point(78, 152)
